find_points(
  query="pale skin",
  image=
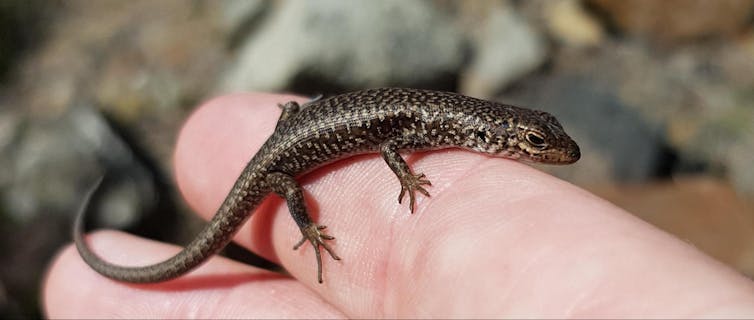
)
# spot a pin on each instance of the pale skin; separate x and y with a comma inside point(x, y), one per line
point(497, 238)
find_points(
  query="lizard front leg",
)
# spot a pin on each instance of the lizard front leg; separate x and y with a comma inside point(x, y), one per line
point(409, 182)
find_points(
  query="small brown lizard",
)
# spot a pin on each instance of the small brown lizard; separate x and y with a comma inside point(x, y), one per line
point(384, 121)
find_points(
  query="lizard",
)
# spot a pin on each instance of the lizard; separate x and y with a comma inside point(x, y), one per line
point(307, 136)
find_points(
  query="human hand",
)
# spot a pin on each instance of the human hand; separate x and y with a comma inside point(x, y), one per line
point(497, 238)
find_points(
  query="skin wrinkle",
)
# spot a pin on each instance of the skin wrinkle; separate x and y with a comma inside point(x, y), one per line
point(429, 247)
point(392, 213)
point(586, 297)
point(522, 270)
point(362, 167)
point(435, 197)
point(475, 168)
point(320, 186)
point(510, 220)
point(424, 210)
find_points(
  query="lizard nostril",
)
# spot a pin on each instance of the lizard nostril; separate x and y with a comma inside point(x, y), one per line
point(575, 154)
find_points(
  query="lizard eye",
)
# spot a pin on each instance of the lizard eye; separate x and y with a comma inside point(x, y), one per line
point(536, 139)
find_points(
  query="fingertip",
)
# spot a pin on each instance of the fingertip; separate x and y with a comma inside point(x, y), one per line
point(69, 280)
point(51, 283)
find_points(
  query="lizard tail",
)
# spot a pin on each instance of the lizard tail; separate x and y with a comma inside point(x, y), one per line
point(189, 258)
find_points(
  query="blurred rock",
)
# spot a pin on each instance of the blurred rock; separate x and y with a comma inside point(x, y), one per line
point(22, 24)
point(505, 48)
point(617, 143)
point(703, 98)
point(53, 163)
point(571, 24)
point(43, 163)
point(706, 212)
point(741, 158)
point(239, 18)
point(143, 61)
point(234, 15)
point(49, 166)
point(10, 124)
point(693, 104)
point(678, 20)
point(727, 139)
point(350, 44)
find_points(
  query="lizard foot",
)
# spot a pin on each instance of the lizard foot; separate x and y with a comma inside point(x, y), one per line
point(411, 183)
point(317, 238)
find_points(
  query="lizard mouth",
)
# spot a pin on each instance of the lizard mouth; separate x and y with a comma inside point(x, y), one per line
point(565, 156)
point(557, 157)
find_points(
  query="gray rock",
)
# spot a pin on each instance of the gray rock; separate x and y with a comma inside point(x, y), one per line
point(10, 128)
point(617, 143)
point(740, 160)
point(239, 18)
point(726, 140)
point(349, 44)
point(233, 15)
point(52, 163)
point(47, 165)
point(701, 96)
point(687, 112)
point(505, 48)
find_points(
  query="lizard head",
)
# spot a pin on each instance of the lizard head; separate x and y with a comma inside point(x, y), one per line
point(529, 135)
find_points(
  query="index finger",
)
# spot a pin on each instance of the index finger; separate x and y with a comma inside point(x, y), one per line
point(495, 237)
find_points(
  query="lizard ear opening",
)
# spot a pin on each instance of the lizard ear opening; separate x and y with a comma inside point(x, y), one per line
point(481, 135)
point(506, 124)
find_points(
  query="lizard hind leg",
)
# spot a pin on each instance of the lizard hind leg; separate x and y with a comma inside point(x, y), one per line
point(313, 233)
point(289, 109)
point(410, 182)
point(286, 186)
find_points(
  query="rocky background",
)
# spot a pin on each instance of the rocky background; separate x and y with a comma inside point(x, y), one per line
point(659, 94)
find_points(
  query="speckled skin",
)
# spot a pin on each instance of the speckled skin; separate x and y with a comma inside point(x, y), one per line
point(384, 121)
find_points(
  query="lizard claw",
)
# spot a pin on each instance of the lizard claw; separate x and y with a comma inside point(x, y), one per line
point(313, 233)
point(411, 183)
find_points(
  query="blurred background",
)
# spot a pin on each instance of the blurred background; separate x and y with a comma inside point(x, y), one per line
point(659, 95)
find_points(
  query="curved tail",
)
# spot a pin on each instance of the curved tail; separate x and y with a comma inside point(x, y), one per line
point(207, 243)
